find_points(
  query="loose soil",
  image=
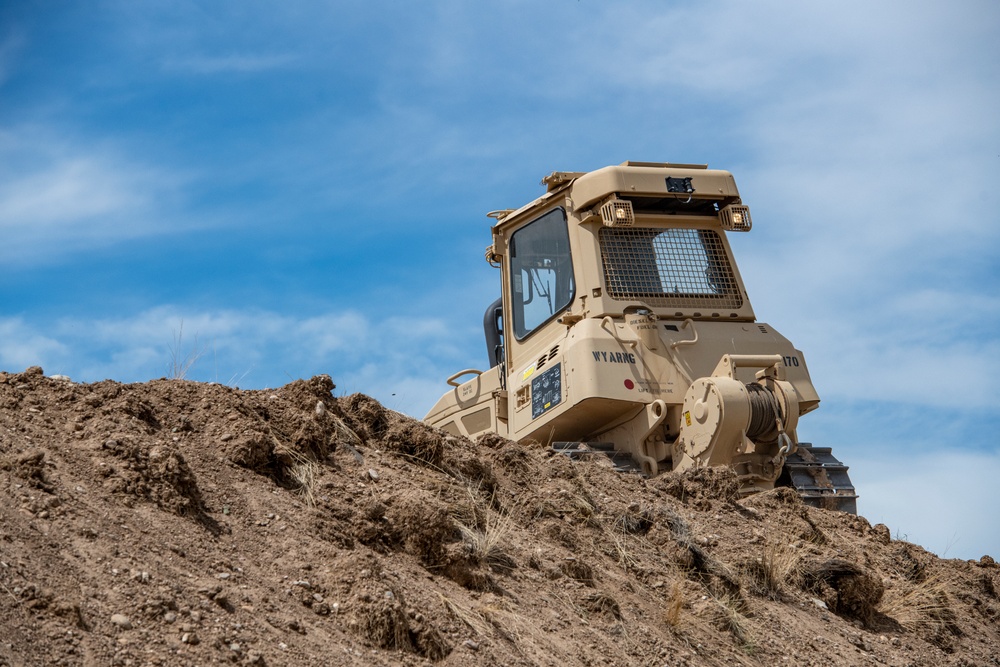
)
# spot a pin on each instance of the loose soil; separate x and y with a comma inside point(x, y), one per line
point(180, 523)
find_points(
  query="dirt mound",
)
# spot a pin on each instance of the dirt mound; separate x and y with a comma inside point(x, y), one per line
point(178, 523)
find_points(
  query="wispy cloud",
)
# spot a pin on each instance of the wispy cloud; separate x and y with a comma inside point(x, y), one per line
point(402, 360)
point(59, 196)
point(66, 191)
point(22, 345)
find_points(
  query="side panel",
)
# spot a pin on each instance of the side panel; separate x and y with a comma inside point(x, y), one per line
point(600, 373)
point(474, 407)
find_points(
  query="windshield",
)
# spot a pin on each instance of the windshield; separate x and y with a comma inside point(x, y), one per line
point(541, 272)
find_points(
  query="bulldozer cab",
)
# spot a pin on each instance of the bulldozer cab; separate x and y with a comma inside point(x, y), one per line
point(622, 248)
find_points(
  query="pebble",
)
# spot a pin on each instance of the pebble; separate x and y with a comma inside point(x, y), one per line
point(122, 621)
point(189, 638)
point(471, 645)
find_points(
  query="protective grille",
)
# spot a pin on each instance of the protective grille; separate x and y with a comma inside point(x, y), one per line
point(736, 218)
point(682, 268)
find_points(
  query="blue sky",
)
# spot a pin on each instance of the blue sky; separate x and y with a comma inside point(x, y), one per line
point(287, 189)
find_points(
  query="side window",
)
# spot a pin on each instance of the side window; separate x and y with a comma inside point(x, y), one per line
point(541, 272)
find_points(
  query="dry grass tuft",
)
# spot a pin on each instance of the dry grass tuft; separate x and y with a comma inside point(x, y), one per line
point(584, 506)
point(486, 620)
point(472, 619)
point(925, 608)
point(484, 530)
point(619, 539)
point(602, 604)
point(778, 567)
point(675, 603)
point(180, 361)
point(504, 619)
point(303, 474)
point(345, 433)
point(732, 617)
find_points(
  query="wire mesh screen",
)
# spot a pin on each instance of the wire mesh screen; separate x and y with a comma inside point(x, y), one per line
point(683, 268)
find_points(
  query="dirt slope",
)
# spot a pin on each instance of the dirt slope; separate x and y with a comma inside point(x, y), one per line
point(178, 523)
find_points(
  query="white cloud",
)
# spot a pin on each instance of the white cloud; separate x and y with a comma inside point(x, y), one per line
point(22, 346)
point(66, 191)
point(58, 196)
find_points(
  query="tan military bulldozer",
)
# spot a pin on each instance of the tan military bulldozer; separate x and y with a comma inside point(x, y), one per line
point(624, 329)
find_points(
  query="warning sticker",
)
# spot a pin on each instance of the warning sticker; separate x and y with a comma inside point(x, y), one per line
point(546, 391)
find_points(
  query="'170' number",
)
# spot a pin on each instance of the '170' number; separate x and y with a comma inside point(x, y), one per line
point(792, 361)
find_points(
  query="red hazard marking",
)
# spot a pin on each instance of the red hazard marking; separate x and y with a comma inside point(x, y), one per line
point(629, 384)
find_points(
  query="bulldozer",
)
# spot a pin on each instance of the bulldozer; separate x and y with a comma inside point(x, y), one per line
point(624, 330)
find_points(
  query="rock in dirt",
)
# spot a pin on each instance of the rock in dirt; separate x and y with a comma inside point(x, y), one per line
point(122, 621)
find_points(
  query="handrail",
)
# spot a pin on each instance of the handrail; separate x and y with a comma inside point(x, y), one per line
point(614, 332)
point(451, 380)
point(687, 323)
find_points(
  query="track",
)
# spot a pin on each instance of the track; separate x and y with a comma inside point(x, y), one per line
point(820, 479)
